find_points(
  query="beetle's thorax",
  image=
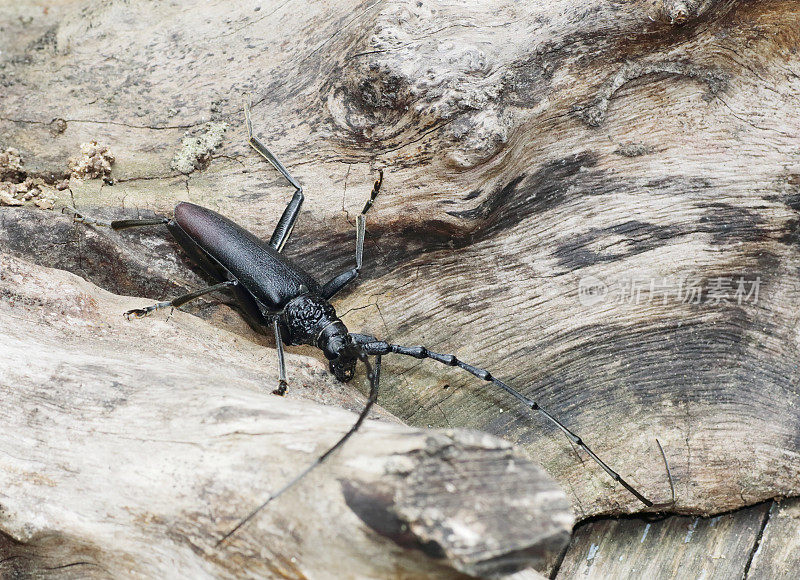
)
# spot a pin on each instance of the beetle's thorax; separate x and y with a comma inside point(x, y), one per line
point(311, 320)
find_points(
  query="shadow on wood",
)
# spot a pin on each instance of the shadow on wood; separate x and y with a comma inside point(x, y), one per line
point(132, 447)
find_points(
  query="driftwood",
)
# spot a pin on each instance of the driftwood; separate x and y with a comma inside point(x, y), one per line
point(540, 159)
point(131, 449)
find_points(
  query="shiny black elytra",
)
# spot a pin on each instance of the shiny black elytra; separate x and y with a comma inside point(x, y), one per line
point(272, 290)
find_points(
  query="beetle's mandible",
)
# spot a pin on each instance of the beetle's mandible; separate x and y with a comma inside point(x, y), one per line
point(275, 292)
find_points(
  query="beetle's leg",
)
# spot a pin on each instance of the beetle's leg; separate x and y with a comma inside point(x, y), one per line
point(115, 224)
point(285, 225)
point(341, 280)
point(375, 190)
point(256, 144)
point(282, 384)
point(374, 380)
point(371, 345)
point(179, 301)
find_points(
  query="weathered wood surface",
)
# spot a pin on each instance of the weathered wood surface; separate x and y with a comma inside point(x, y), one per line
point(678, 547)
point(129, 448)
point(757, 543)
point(777, 556)
point(527, 147)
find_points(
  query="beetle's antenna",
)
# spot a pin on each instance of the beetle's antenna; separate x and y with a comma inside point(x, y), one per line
point(371, 345)
point(669, 477)
point(374, 376)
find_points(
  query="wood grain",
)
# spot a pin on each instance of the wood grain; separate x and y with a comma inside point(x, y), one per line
point(752, 543)
point(778, 553)
point(130, 448)
point(527, 147)
point(677, 547)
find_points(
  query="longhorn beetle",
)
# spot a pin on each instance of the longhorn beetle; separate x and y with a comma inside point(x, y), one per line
point(272, 290)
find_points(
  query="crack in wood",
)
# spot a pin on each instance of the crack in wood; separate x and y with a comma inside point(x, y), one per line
point(757, 542)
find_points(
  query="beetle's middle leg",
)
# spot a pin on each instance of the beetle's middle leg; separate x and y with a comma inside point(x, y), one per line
point(341, 280)
point(286, 224)
point(179, 301)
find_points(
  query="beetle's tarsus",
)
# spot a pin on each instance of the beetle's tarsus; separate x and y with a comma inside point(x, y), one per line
point(375, 190)
point(136, 313)
point(79, 218)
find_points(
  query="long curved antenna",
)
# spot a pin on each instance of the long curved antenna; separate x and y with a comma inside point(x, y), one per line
point(374, 380)
point(371, 345)
point(669, 477)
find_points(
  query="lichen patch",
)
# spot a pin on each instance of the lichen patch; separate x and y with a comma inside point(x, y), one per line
point(196, 147)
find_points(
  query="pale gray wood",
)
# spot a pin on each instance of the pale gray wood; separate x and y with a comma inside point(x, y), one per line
point(778, 553)
point(677, 547)
point(527, 147)
point(528, 574)
point(129, 448)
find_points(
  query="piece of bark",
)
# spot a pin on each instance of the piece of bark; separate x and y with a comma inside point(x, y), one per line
point(528, 147)
point(761, 542)
point(130, 447)
point(716, 548)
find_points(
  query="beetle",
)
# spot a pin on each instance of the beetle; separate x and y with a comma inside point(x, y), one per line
point(274, 291)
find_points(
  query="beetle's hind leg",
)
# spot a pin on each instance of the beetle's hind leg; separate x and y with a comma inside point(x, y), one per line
point(286, 224)
point(179, 301)
point(78, 217)
point(340, 281)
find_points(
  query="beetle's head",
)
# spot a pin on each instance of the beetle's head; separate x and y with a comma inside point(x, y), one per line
point(343, 367)
point(341, 351)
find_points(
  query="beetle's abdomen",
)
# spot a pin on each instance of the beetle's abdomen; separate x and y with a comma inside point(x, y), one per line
point(269, 276)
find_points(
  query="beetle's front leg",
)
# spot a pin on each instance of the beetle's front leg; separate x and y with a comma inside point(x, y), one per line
point(282, 384)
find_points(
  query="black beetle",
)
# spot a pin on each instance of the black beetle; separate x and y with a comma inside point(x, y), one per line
point(272, 290)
